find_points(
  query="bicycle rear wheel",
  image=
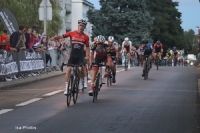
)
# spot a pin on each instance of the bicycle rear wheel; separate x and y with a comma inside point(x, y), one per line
point(69, 90)
point(75, 89)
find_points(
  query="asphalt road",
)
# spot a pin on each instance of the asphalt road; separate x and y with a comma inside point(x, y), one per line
point(167, 102)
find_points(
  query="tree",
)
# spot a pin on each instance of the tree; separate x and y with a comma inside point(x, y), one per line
point(167, 24)
point(121, 18)
point(26, 12)
point(191, 39)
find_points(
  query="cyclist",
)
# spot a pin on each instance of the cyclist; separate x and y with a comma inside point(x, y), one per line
point(139, 51)
point(101, 56)
point(126, 46)
point(113, 50)
point(78, 40)
point(175, 54)
point(146, 51)
point(134, 55)
point(158, 50)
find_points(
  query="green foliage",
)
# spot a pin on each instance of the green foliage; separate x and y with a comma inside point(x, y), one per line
point(121, 18)
point(26, 12)
point(167, 24)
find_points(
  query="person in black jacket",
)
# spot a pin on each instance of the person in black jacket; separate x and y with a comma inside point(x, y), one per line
point(27, 36)
point(14, 38)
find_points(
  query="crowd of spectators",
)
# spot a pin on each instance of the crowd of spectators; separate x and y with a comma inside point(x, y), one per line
point(29, 39)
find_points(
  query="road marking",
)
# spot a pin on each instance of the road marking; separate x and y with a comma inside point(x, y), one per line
point(5, 111)
point(29, 101)
point(53, 93)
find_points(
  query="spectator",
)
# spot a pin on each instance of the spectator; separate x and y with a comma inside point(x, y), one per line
point(33, 41)
point(36, 27)
point(45, 43)
point(27, 36)
point(3, 38)
point(17, 39)
point(64, 50)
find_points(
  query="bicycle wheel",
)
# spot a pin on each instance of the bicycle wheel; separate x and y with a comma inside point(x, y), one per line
point(75, 89)
point(110, 79)
point(69, 90)
point(157, 62)
point(126, 64)
point(96, 88)
point(145, 71)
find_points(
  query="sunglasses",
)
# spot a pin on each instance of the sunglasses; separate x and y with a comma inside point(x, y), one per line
point(99, 43)
point(82, 25)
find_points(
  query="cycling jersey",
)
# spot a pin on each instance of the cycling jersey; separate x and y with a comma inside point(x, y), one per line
point(127, 46)
point(111, 50)
point(147, 49)
point(100, 52)
point(78, 41)
point(158, 47)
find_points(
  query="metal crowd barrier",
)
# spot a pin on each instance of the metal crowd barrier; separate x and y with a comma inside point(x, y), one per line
point(13, 63)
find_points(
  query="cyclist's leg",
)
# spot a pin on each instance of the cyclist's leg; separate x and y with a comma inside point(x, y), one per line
point(68, 72)
point(150, 60)
point(95, 71)
point(143, 66)
point(114, 69)
point(129, 59)
point(81, 61)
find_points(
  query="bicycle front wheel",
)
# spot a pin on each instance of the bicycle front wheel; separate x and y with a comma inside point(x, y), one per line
point(75, 90)
point(69, 90)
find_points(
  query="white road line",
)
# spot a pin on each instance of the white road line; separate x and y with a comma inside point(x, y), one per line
point(53, 93)
point(120, 70)
point(5, 111)
point(29, 101)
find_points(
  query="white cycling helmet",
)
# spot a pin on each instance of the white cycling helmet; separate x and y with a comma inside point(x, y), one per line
point(126, 39)
point(100, 39)
point(82, 21)
point(111, 39)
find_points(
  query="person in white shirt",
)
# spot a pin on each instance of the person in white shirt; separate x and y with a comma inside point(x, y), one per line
point(126, 46)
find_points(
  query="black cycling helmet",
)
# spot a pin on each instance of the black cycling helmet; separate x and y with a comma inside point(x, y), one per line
point(82, 21)
point(144, 41)
point(158, 42)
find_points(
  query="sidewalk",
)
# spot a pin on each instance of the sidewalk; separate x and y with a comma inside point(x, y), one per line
point(28, 80)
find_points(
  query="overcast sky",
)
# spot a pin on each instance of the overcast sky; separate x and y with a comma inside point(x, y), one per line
point(189, 9)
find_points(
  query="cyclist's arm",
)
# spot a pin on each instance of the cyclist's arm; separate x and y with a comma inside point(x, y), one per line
point(92, 50)
point(87, 51)
point(161, 48)
point(116, 50)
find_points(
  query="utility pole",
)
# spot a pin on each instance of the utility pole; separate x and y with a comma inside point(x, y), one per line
point(45, 16)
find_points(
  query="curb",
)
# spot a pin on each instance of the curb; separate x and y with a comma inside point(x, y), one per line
point(17, 83)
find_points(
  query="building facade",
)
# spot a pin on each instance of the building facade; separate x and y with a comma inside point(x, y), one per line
point(66, 15)
point(79, 11)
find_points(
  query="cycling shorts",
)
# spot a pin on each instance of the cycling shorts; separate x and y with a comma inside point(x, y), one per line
point(78, 60)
